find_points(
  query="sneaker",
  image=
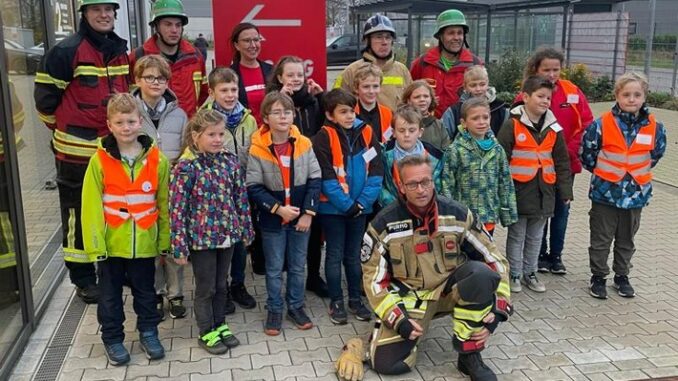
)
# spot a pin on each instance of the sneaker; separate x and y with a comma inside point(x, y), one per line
point(273, 323)
point(300, 319)
point(533, 283)
point(240, 295)
point(338, 313)
point(117, 354)
point(229, 307)
point(176, 308)
point(317, 285)
point(472, 365)
point(151, 345)
point(557, 266)
point(621, 283)
point(597, 287)
point(212, 343)
point(227, 337)
point(357, 308)
point(515, 284)
point(89, 294)
point(544, 263)
point(160, 306)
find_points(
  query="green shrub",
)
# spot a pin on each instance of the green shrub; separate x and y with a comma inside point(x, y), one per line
point(506, 97)
point(670, 105)
point(602, 89)
point(580, 75)
point(658, 99)
point(506, 74)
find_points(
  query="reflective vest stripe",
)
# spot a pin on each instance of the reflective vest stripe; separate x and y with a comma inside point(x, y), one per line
point(393, 81)
point(84, 70)
point(129, 198)
point(616, 158)
point(76, 255)
point(47, 79)
point(527, 157)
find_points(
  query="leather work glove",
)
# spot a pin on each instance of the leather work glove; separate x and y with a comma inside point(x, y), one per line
point(349, 365)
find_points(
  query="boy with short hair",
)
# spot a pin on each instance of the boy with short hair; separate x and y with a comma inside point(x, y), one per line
point(240, 125)
point(125, 197)
point(348, 153)
point(164, 121)
point(476, 84)
point(539, 163)
point(366, 87)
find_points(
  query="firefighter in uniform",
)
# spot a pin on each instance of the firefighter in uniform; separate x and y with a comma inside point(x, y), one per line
point(72, 87)
point(423, 257)
point(187, 64)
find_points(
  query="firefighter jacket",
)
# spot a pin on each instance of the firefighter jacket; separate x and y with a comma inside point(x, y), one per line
point(72, 87)
point(351, 168)
point(536, 197)
point(396, 79)
point(109, 227)
point(168, 131)
point(189, 81)
point(274, 181)
point(405, 257)
point(238, 140)
point(446, 83)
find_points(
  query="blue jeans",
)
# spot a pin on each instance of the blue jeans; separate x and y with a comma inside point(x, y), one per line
point(279, 246)
point(558, 226)
point(238, 263)
point(343, 236)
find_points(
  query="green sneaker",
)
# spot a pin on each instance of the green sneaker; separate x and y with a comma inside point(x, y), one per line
point(211, 342)
point(229, 340)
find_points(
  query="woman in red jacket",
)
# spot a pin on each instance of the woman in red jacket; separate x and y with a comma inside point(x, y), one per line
point(573, 113)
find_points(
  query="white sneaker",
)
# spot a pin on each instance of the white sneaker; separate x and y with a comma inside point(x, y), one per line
point(533, 283)
point(515, 285)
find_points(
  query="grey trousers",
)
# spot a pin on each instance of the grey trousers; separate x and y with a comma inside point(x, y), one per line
point(523, 243)
point(169, 277)
point(210, 271)
point(609, 223)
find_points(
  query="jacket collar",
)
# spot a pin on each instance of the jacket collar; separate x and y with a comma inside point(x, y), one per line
point(369, 57)
point(432, 56)
point(262, 137)
point(110, 145)
point(519, 112)
point(151, 46)
point(109, 44)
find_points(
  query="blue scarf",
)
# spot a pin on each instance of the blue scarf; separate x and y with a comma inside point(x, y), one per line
point(232, 117)
point(485, 144)
point(399, 153)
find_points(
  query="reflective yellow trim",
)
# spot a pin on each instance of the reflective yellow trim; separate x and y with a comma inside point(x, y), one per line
point(197, 76)
point(462, 330)
point(503, 289)
point(393, 81)
point(18, 117)
point(51, 119)
point(46, 79)
point(76, 255)
point(68, 149)
point(101, 71)
point(471, 315)
point(7, 260)
point(338, 81)
point(73, 145)
point(71, 228)
point(389, 301)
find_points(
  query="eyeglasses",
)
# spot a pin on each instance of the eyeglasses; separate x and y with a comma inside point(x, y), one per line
point(151, 78)
point(383, 37)
point(249, 41)
point(279, 113)
point(425, 184)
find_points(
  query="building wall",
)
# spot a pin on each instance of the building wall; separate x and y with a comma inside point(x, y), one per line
point(666, 17)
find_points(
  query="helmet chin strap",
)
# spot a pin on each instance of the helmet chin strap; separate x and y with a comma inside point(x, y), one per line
point(165, 41)
point(442, 46)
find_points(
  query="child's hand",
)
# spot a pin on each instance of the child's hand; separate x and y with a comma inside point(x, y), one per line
point(313, 87)
point(304, 223)
point(566, 202)
point(288, 213)
point(287, 89)
point(181, 261)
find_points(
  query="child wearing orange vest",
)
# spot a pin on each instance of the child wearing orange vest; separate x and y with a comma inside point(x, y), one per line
point(349, 156)
point(620, 148)
point(125, 225)
point(366, 87)
point(539, 164)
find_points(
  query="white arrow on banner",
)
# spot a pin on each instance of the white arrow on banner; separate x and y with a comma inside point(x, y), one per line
point(250, 17)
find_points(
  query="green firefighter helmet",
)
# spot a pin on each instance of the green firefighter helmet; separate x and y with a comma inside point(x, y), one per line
point(450, 17)
point(168, 8)
point(84, 3)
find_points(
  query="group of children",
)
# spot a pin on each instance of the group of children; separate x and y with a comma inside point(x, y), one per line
point(195, 190)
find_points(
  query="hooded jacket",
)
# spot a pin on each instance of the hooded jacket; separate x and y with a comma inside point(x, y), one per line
point(127, 240)
point(169, 133)
point(498, 113)
point(434, 133)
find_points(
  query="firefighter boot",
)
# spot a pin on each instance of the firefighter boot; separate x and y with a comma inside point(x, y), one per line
point(472, 365)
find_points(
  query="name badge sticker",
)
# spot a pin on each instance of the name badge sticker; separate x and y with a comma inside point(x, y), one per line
point(370, 154)
point(573, 99)
point(388, 133)
point(644, 139)
point(285, 161)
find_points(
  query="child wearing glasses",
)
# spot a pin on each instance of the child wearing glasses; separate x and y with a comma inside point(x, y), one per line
point(283, 180)
point(476, 171)
point(240, 125)
point(163, 120)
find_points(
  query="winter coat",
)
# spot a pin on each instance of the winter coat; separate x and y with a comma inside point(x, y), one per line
point(434, 133)
point(536, 198)
point(498, 113)
point(169, 133)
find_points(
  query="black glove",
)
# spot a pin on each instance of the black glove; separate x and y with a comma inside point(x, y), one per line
point(355, 210)
point(405, 329)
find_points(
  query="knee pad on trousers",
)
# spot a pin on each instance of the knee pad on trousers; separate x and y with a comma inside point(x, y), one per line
point(390, 359)
point(476, 282)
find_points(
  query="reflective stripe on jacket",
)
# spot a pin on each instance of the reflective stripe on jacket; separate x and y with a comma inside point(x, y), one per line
point(616, 158)
point(527, 157)
point(126, 197)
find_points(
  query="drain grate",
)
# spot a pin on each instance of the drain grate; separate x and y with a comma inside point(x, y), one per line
point(61, 341)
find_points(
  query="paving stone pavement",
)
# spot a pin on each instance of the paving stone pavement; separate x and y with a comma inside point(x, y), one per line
point(562, 334)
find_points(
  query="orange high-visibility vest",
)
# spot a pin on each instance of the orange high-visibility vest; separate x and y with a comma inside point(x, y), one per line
point(528, 157)
point(616, 158)
point(124, 198)
point(570, 88)
point(338, 156)
point(385, 118)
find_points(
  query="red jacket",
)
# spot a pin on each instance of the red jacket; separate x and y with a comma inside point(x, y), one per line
point(189, 81)
point(447, 83)
point(573, 124)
